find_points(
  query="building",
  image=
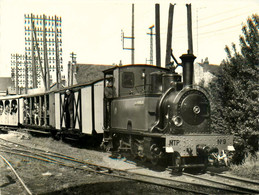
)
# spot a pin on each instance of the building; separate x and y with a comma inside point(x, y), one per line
point(43, 47)
point(5, 84)
point(18, 72)
point(86, 73)
point(204, 72)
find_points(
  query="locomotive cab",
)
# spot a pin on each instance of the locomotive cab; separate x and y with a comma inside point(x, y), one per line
point(132, 104)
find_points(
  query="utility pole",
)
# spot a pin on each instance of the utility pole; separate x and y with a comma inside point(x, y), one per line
point(132, 35)
point(16, 74)
point(46, 64)
point(73, 58)
point(132, 38)
point(151, 43)
point(34, 69)
point(189, 28)
point(58, 74)
point(69, 65)
point(71, 68)
point(38, 51)
point(26, 74)
point(169, 34)
point(157, 23)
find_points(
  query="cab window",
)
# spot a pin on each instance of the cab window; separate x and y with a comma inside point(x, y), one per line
point(128, 80)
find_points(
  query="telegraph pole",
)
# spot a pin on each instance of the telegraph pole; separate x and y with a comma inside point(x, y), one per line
point(132, 38)
point(189, 28)
point(132, 35)
point(38, 51)
point(58, 75)
point(69, 65)
point(46, 64)
point(34, 70)
point(71, 68)
point(16, 74)
point(151, 43)
point(158, 47)
point(169, 34)
point(73, 57)
point(26, 74)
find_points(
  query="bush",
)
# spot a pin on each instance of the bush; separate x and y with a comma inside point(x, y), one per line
point(235, 93)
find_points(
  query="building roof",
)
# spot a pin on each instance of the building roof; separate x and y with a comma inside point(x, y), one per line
point(85, 73)
point(212, 68)
point(5, 82)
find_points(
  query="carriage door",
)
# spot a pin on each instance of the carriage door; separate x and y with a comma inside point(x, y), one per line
point(71, 110)
point(58, 111)
point(77, 110)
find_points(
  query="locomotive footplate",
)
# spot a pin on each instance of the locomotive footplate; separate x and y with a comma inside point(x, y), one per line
point(189, 145)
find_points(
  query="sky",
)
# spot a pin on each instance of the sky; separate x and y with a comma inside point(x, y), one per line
point(92, 28)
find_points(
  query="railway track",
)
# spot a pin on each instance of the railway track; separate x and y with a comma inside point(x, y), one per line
point(194, 187)
point(64, 160)
point(240, 185)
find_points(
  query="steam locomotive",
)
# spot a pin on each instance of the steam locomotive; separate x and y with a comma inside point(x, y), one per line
point(151, 113)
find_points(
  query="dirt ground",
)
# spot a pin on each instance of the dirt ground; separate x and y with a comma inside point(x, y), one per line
point(48, 178)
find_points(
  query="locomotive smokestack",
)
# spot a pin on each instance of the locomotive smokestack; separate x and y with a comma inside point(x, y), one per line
point(187, 64)
point(188, 59)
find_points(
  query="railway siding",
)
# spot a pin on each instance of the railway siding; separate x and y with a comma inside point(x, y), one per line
point(77, 167)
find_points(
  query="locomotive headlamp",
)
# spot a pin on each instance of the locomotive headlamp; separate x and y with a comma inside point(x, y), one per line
point(178, 121)
point(143, 75)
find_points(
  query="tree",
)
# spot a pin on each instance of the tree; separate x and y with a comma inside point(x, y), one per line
point(235, 92)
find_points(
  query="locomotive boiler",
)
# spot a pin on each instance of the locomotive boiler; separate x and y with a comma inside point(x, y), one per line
point(152, 113)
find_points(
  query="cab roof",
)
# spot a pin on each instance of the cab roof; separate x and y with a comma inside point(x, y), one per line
point(133, 65)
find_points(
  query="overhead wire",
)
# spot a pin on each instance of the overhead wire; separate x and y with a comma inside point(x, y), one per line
point(222, 13)
point(217, 30)
point(219, 21)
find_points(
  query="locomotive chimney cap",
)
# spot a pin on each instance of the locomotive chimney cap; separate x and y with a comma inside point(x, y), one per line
point(188, 57)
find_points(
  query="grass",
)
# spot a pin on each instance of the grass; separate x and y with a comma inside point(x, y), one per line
point(250, 169)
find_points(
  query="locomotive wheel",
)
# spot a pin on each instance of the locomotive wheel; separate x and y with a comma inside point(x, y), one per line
point(107, 149)
point(133, 148)
point(154, 161)
point(143, 159)
point(58, 136)
point(155, 152)
point(177, 162)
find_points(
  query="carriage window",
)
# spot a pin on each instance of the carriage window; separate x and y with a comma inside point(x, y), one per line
point(128, 80)
point(14, 106)
point(7, 106)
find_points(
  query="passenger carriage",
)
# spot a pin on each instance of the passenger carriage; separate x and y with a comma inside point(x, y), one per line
point(87, 116)
point(37, 111)
point(9, 110)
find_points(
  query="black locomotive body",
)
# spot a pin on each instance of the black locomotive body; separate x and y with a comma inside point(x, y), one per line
point(150, 112)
